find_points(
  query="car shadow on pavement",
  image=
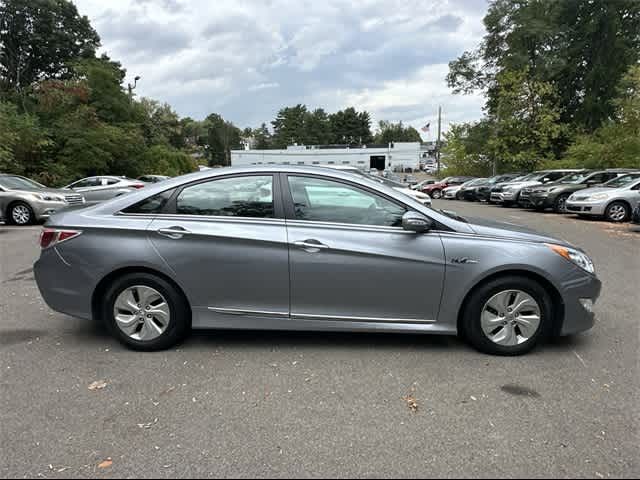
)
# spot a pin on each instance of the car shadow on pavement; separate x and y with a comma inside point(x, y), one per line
point(362, 340)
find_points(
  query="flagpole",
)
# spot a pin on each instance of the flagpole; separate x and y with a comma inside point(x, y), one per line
point(438, 141)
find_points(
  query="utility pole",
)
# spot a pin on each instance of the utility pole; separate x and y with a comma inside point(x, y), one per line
point(133, 87)
point(438, 141)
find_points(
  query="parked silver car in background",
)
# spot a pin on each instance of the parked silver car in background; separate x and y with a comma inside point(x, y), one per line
point(99, 189)
point(307, 248)
point(614, 200)
point(23, 201)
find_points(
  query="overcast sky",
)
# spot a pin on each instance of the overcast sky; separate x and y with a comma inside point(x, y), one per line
point(247, 59)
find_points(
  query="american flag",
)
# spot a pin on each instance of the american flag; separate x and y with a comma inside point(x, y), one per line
point(426, 127)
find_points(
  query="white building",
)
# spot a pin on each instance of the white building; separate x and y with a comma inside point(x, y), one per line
point(395, 156)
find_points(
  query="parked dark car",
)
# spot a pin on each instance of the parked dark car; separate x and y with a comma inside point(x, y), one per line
point(482, 191)
point(435, 190)
point(555, 195)
point(635, 217)
point(153, 178)
point(465, 192)
point(511, 192)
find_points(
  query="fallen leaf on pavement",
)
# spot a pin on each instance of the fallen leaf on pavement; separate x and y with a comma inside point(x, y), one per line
point(412, 403)
point(98, 385)
point(106, 463)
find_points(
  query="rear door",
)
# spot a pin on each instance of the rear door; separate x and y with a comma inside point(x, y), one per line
point(226, 241)
point(350, 260)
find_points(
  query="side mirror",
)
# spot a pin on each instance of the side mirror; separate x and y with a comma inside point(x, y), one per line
point(415, 222)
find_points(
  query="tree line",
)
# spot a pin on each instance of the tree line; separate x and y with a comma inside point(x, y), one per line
point(562, 84)
point(65, 113)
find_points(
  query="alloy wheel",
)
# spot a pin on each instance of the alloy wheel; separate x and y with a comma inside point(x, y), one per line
point(617, 212)
point(141, 313)
point(510, 317)
point(21, 215)
point(436, 194)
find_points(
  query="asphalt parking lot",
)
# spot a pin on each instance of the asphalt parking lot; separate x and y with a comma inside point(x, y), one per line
point(255, 404)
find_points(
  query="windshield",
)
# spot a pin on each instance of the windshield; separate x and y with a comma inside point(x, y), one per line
point(574, 178)
point(18, 183)
point(622, 181)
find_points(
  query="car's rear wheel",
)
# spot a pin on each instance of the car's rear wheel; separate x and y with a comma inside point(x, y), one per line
point(507, 316)
point(560, 205)
point(146, 312)
point(617, 212)
point(20, 213)
point(436, 194)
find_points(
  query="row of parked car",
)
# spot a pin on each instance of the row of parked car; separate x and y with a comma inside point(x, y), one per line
point(613, 194)
point(24, 201)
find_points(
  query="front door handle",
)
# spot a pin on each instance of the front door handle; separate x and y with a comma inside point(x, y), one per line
point(175, 233)
point(310, 245)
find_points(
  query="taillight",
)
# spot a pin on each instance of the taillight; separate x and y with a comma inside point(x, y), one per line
point(51, 236)
point(138, 185)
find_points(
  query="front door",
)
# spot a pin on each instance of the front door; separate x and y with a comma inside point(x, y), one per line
point(227, 245)
point(351, 260)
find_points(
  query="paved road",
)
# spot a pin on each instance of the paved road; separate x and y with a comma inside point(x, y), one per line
point(252, 404)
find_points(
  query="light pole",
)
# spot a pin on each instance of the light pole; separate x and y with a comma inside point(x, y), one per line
point(133, 87)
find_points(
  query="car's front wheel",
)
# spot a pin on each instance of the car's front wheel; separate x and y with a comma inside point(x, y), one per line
point(560, 205)
point(617, 212)
point(146, 312)
point(20, 213)
point(507, 316)
point(436, 194)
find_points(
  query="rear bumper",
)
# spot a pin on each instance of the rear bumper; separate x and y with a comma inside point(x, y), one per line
point(64, 288)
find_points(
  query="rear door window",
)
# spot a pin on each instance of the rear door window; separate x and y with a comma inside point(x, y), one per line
point(247, 196)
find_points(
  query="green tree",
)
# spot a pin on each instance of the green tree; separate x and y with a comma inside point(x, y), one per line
point(351, 127)
point(262, 137)
point(39, 39)
point(617, 142)
point(288, 126)
point(161, 125)
point(165, 160)
point(396, 132)
point(222, 137)
point(317, 129)
point(567, 44)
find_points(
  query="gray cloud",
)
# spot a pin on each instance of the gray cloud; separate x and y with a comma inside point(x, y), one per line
point(247, 60)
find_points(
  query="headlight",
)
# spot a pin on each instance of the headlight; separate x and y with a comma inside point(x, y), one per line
point(574, 256)
point(48, 198)
point(598, 196)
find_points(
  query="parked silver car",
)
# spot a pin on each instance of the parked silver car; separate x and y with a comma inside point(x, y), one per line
point(307, 248)
point(23, 201)
point(99, 189)
point(510, 193)
point(613, 200)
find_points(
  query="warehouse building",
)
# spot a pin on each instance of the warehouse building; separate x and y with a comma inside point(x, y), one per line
point(394, 156)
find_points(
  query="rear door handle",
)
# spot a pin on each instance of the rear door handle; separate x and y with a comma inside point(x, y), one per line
point(310, 245)
point(173, 232)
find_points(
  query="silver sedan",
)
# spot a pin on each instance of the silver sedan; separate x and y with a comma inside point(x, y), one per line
point(613, 200)
point(99, 189)
point(24, 201)
point(305, 248)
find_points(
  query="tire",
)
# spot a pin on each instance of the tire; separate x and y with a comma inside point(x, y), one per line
point(179, 321)
point(458, 196)
point(471, 324)
point(436, 194)
point(559, 206)
point(20, 213)
point(617, 212)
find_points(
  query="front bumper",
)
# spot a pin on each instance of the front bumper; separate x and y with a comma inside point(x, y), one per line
point(577, 295)
point(539, 200)
point(585, 208)
point(43, 209)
